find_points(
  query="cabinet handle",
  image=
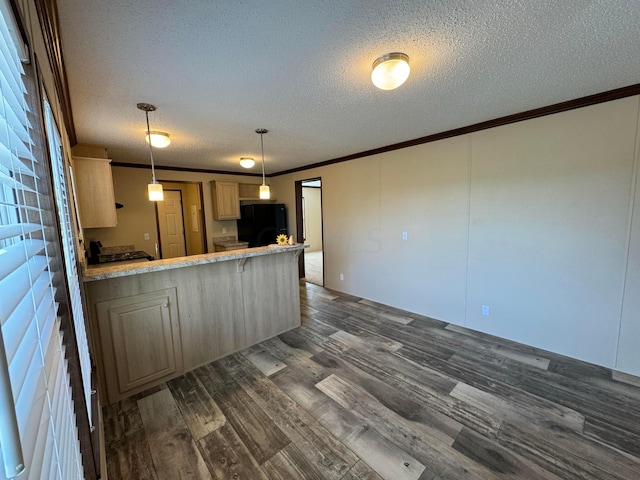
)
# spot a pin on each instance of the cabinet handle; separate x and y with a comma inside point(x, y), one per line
point(165, 305)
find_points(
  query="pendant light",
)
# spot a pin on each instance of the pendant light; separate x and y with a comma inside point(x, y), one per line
point(264, 188)
point(154, 188)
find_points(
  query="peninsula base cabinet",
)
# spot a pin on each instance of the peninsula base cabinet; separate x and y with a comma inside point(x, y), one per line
point(151, 326)
point(266, 314)
point(140, 340)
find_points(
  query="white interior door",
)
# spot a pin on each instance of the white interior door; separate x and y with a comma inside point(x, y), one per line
point(171, 225)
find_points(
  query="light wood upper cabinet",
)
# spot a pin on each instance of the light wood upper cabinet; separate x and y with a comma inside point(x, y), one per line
point(251, 191)
point(226, 200)
point(140, 340)
point(94, 191)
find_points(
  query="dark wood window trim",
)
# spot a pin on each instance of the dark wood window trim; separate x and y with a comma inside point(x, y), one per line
point(49, 23)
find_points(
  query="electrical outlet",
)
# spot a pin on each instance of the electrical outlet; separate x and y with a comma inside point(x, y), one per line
point(224, 229)
point(485, 310)
point(342, 277)
point(146, 236)
point(405, 235)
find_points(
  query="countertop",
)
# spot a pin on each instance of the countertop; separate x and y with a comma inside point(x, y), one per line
point(103, 272)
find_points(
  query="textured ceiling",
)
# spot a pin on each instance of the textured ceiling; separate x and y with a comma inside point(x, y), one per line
point(217, 70)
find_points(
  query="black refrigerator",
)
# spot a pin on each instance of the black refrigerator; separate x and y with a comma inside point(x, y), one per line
point(261, 223)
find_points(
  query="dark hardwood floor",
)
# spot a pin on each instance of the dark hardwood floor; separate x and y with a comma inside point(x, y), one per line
point(365, 391)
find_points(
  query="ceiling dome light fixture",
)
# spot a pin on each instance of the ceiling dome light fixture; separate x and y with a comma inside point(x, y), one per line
point(265, 194)
point(158, 139)
point(247, 162)
point(154, 188)
point(390, 70)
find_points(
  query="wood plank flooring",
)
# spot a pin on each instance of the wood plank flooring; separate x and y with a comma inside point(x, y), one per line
point(362, 391)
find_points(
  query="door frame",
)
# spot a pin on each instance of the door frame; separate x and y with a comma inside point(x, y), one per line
point(300, 224)
point(205, 243)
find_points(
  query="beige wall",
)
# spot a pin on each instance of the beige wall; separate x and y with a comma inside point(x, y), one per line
point(532, 219)
point(138, 215)
point(628, 357)
point(312, 218)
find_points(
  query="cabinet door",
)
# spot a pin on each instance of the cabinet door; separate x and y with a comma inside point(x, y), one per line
point(140, 340)
point(226, 200)
point(94, 188)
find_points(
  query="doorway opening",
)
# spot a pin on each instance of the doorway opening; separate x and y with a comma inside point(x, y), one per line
point(309, 229)
point(181, 228)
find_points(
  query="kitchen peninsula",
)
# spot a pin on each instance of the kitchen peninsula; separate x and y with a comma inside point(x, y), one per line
point(156, 320)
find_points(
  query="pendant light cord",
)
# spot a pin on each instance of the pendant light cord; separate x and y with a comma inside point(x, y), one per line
point(153, 170)
point(262, 148)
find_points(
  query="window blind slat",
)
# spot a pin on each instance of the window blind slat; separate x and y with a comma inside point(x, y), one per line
point(10, 84)
point(19, 371)
point(27, 374)
point(58, 408)
point(13, 205)
point(20, 126)
point(30, 435)
point(11, 39)
point(53, 418)
point(15, 328)
point(13, 183)
point(10, 70)
point(46, 315)
point(9, 231)
point(9, 89)
point(31, 388)
point(18, 284)
point(17, 325)
point(40, 449)
point(12, 158)
point(15, 255)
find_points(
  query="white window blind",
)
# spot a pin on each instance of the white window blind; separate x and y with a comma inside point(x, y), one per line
point(70, 251)
point(34, 379)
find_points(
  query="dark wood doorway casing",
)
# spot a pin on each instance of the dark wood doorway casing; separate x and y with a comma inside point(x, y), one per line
point(300, 223)
point(299, 226)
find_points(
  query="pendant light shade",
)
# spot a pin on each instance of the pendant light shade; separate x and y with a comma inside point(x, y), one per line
point(154, 189)
point(155, 192)
point(265, 194)
point(390, 70)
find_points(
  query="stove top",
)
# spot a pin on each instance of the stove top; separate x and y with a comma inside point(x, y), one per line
point(118, 257)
